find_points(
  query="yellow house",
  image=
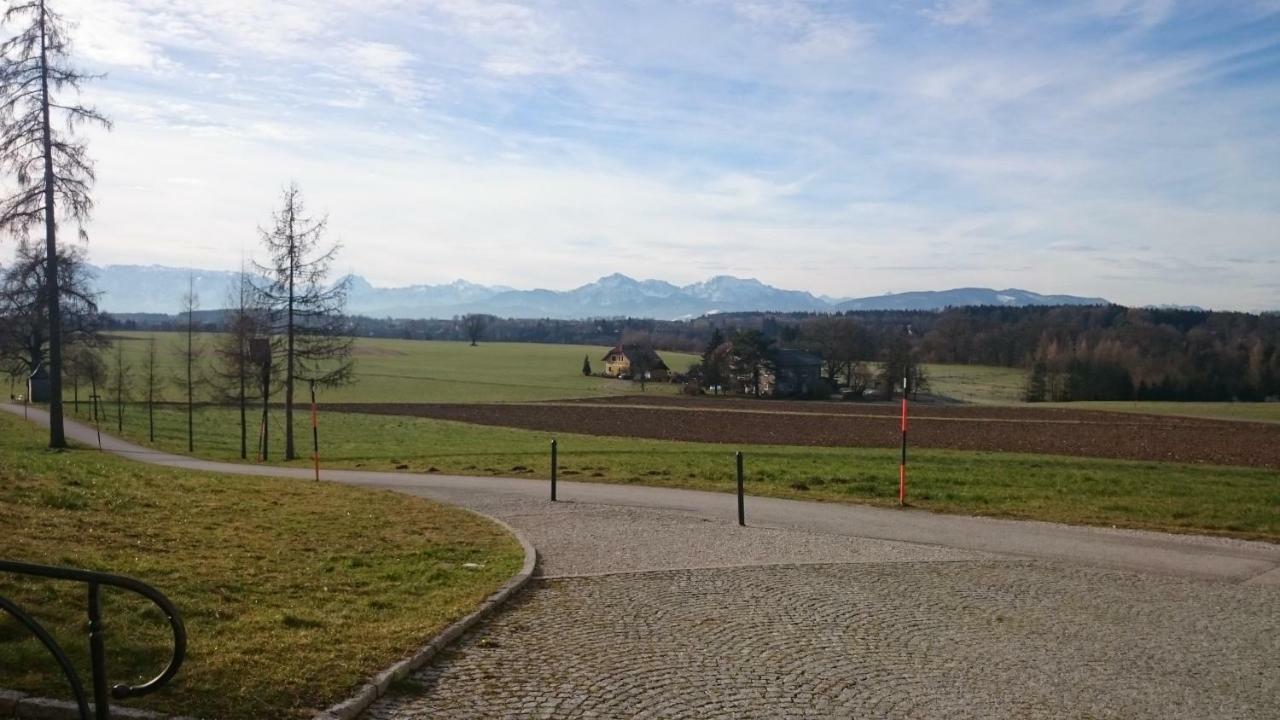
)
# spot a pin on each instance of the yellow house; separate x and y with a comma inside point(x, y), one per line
point(622, 362)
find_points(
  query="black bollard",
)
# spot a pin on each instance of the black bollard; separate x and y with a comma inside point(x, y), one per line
point(742, 512)
point(554, 470)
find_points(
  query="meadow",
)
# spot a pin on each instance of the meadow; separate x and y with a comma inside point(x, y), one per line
point(985, 385)
point(981, 384)
point(418, 371)
point(1235, 501)
point(293, 593)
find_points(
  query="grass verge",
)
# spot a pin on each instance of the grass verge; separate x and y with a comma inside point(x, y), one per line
point(293, 592)
point(1240, 502)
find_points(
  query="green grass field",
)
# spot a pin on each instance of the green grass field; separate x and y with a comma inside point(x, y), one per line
point(1242, 502)
point(1254, 412)
point(293, 592)
point(985, 385)
point(976, 383)
point(433, 371)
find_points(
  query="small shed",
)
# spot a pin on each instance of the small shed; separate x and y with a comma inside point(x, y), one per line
point(38, 385)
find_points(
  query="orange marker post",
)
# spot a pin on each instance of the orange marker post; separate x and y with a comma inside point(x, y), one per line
point(902, 466)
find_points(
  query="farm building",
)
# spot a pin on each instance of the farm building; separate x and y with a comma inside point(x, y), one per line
point(624, 361)
point(794, 372)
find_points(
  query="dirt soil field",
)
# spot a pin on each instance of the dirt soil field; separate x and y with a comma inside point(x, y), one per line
point(1051, 431)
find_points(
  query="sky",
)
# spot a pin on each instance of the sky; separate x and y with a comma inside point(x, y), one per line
point(1128, 149)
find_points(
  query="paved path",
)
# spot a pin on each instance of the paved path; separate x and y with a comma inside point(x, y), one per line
point(654, 603)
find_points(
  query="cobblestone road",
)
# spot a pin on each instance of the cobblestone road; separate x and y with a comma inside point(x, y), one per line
point(884, 629)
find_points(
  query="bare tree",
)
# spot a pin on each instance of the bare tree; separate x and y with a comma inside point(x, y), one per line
point(644, 359)
point(751, 359)
point(235, 372)
point(901, 363)
point(24, 310)
point(52, 170)
point(189, 355)
point(78, 367)
point(303, 312)
point(95, 373)
point(475, 325)
point(151, 385)
point(840, 341)
point(120, 384)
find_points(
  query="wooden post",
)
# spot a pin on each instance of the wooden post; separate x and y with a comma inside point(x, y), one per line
point(554, 469)
point(742, 512)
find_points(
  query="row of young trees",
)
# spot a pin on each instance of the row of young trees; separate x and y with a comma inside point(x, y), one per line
point(283, 326)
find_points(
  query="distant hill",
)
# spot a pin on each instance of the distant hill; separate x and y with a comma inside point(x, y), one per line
point(962, 297)
point(158, 289)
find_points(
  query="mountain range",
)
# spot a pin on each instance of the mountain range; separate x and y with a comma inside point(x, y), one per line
point(158, 289)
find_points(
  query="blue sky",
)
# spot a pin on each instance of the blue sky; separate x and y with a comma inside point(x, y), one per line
point(1122, 148)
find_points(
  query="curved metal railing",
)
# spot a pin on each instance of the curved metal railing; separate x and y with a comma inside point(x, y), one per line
point(97, 643)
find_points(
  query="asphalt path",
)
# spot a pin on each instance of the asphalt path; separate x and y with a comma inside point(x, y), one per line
point(1188, 556)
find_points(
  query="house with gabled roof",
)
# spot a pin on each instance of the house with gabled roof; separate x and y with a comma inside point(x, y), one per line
point(628, 361)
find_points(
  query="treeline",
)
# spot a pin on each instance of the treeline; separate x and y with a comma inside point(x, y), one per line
point(674, 335)
point(1116, 353)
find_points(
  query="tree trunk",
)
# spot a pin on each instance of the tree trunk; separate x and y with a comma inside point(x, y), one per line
point(57, 437)
point(266, 425)
point(191, 425)
point(244, 368)
point(289, 452)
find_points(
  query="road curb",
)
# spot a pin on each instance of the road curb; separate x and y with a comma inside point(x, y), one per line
point(29, 707)
point(370, 692)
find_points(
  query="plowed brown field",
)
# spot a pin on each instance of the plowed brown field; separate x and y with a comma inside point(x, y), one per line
point(957, 427)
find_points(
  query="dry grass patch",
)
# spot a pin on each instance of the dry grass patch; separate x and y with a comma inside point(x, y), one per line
point(293, 592)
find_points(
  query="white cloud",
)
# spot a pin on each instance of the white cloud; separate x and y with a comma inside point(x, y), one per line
point(515, 39)
point(806, 32)
point(105, 33)
point(1145, 82)
point(1146, 13)
point(960, 12)
point(384, 66)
